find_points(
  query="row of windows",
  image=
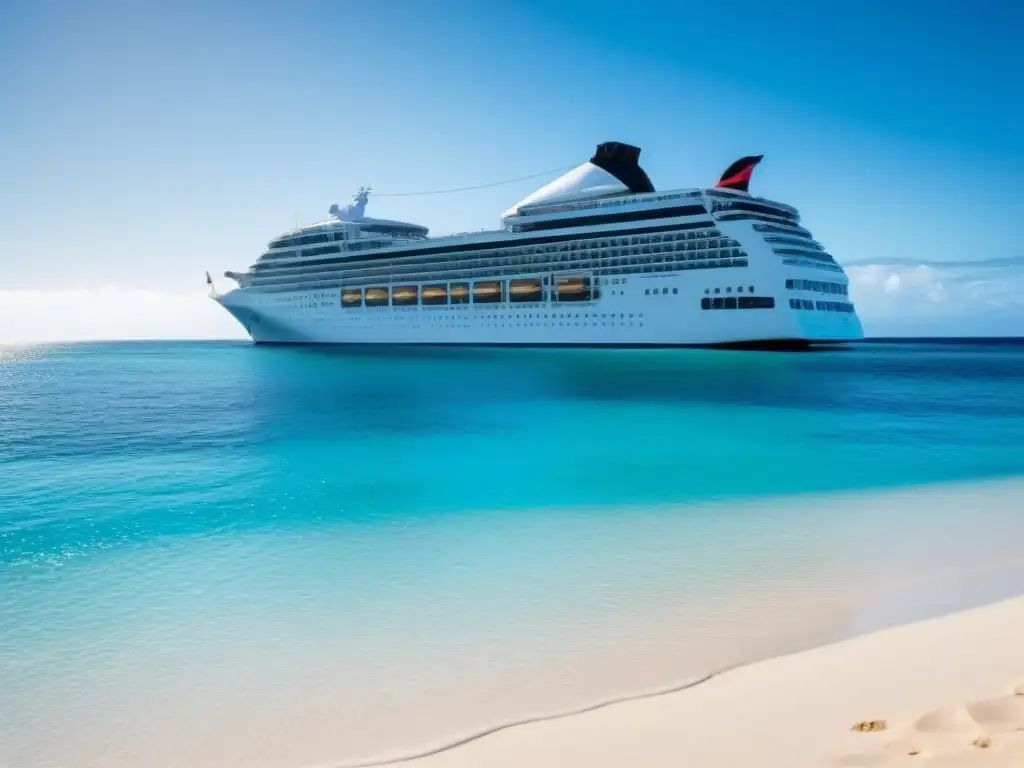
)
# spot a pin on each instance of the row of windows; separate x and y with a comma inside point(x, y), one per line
point(834, 306)
point(780, 229)
point(728, 289)
point(425, 254)
point(816, 285)
point(438, 321)
point(291, 242)
point(339, 234)
point(748, 217)
point(812, 264)
point(714, 248)
point(503, 314)
point(805, 253)
point(515, 261)
point(801, 242)
point(821, 306)
point(479, 292)
point(747, 207)
point(321, 250)
point(365, 245)
point(738, 302)
point(683, 240)
point(611, 218)
point(640, 258)
point(537, 209)
point(604, 267)
point(323, 281)
point(353, 245)
point(410, 232)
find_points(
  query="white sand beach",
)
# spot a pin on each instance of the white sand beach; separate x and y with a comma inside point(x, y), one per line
point(944, 692)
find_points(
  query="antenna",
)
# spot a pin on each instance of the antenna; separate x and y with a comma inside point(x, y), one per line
point(296, 220)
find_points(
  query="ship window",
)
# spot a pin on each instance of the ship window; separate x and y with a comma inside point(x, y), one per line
point(730, 302)
point(717, 303)
point(675, 290)
point(756, 302)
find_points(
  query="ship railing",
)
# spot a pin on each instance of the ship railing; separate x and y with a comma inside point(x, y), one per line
point(538, 209)
point(466, 235)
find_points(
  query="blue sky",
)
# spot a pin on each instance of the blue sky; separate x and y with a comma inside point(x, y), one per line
point(142, 143)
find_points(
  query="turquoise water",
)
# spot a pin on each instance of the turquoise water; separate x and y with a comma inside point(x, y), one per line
point(212, 538)
point(107, 445)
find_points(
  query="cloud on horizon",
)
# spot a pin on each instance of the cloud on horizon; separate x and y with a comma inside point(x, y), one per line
point(111, 313)
point(894, 297)
point(915, 297)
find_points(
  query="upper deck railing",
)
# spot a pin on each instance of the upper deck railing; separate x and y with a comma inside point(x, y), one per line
point(713, 195)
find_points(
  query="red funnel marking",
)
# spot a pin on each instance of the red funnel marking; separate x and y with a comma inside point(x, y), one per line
point(737, 175)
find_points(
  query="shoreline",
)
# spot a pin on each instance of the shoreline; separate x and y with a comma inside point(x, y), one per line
point(911, 597)
point(948, 689)
point(718, 587)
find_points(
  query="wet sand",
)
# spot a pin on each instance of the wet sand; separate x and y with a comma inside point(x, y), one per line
point(944, 692)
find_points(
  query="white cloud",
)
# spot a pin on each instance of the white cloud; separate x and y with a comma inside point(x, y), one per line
point(111, 313)
point(920, 297)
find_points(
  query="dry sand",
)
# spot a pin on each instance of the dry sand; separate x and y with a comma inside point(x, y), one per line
point(947, 692)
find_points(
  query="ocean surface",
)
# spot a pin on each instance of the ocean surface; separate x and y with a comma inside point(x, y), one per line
point(222, 554)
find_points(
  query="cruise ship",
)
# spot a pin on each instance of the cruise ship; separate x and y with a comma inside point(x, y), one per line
point(597, 257)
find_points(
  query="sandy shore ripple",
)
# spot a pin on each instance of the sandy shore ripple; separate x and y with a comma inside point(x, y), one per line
point(944, 693)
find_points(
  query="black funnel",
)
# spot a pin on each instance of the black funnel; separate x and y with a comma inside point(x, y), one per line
point(623, 162)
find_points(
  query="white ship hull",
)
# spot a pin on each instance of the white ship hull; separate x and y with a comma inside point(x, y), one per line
point(636, 311)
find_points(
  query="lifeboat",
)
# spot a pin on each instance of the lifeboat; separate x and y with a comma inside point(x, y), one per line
point(572, 289)
point(435, 294)
point(404, 295)
point(352, 297)
point(376, 297)
point(528, 289)
point(460, 293)
point(488, 292)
